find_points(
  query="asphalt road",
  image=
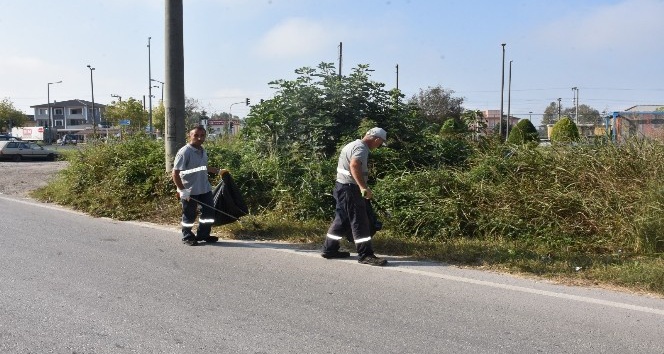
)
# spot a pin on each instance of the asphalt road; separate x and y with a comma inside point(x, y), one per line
point(70, 283)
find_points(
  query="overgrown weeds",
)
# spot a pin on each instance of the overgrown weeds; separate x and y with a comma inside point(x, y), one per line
point(591, 213)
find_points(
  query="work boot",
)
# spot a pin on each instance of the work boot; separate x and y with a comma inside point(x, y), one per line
point(335, 254)
point(209, 239)
point(190, 240)
point(372, 260)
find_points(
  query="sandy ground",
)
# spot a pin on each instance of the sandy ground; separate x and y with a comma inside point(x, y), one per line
point(19, 178)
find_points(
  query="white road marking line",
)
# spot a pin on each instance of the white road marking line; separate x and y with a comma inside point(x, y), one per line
point(522, 289)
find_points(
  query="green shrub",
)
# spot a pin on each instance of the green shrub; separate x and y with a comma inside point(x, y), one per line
point(121, 179)
point(564, 131)
point(545, 209)
point(523, 132)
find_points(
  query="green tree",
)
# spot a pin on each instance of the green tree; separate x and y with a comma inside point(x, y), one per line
point(313, 114)
point(437, 105)
point(10, 116)
point(564, 131)
point(550, 115)
point(587, 114)
point(158, 118)
point(131, 109)
point(192, 112)
point(523, 132)
point(475, 122)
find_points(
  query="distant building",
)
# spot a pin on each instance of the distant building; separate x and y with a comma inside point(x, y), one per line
point(220, 127)
point(72, 116)
point(492, 118)
point(645, 121)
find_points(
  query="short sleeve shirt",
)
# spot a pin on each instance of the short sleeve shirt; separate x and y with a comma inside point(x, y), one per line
point(192, 164)
point(354, 150)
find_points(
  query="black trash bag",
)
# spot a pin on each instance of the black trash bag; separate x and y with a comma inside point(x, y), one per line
point(228, 200)
point(375, 225)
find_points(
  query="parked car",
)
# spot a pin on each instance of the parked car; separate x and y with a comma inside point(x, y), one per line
point(68, 139)
point(19, 150)
point(7, 137)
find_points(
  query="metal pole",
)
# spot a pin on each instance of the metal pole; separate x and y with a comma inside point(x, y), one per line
point(162, 90)
point(397, 77)
point(340, 57)
point(577, 105)
point(174, 136)
point(509, 99)
point(230, 109)
point(559, 107)
point(50, 116)
point(149, 87)
point(48, 100)
point(92, 87)
point(502, 91)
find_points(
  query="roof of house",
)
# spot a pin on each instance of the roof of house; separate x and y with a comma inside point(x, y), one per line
point(645, 108)
point(70, 103)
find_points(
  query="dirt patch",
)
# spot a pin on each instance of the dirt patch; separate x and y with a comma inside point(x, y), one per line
point(19, 178)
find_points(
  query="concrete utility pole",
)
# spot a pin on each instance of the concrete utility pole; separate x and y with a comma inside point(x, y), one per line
point(149, 88)
point(174, 135)
point(509, 100)
point(502, 91)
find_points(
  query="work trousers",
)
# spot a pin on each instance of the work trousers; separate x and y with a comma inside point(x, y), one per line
point(350, 221)
point(189, 211)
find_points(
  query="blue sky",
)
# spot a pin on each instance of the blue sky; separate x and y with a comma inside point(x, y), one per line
point(612, 50)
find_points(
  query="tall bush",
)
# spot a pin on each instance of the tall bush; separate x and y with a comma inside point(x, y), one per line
point(523, 132)
point(564, 131)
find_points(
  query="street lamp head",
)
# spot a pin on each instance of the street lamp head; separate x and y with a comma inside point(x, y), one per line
point(90, 67)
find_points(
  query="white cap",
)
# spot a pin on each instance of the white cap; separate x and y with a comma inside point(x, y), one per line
point(378, 132)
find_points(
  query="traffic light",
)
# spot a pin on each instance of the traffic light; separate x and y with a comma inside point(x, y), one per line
point(247, 102)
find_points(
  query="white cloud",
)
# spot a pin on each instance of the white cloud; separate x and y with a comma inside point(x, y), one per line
point(295, 37)
point(626, 26)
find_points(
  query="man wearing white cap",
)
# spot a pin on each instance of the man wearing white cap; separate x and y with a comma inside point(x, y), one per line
point(350, 192)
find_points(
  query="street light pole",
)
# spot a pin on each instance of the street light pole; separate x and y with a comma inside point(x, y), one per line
point(576, 103)
point(92, 88)
point(230, 109)
point(162, 89)
point(149, 87)
point(118, 96)
point(50, 117)
point(502, 91)
point(397, 67)
point(341, 46)
point(559, 107)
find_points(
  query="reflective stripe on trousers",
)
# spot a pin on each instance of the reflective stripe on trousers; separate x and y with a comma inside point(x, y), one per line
point(190, 211)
